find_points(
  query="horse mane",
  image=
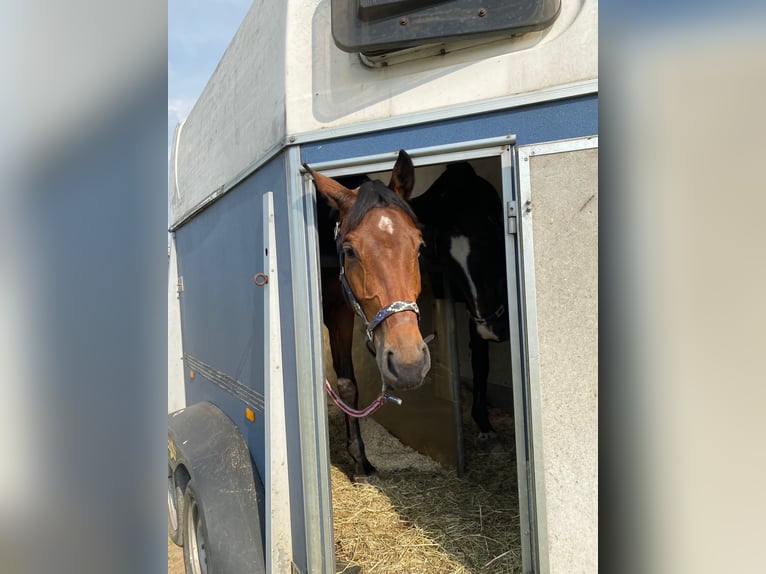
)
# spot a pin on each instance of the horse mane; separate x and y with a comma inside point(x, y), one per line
point(372, 194)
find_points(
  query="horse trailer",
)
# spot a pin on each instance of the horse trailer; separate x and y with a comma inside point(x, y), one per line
point(511, 89)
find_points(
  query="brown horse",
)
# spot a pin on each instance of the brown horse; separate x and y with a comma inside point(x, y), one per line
point(377, 242)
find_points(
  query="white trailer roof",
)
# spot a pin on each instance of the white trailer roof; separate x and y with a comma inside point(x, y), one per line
point(283, 76)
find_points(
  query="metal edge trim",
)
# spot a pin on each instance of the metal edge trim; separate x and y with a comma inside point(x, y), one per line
point(177, 383)
point(311, 404)
point(560, 146)
point(173, 175)
point(537, 475)
point(225, 188)
point(525, 511)
point(421, 156)
point(279, 506)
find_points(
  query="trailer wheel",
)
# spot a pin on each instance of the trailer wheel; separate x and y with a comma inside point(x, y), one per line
point(196, 557)
point(220, 514)
point(175, 510)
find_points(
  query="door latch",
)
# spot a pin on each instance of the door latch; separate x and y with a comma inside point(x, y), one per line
point(512, 221)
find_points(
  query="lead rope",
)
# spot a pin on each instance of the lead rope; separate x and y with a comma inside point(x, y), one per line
point(358, 414)
point(381, 399)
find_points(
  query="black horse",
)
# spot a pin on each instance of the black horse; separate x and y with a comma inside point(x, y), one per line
point(464, 232)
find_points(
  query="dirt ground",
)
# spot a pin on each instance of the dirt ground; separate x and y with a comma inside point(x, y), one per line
point(175, 558)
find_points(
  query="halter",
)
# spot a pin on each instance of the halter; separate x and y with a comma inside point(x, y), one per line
point(369, 327)
point(489, 318)
point(382, 314)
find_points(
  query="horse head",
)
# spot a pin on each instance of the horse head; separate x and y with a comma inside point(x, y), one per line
point(379, 242)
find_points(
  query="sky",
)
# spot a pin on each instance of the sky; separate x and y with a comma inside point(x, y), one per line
point(198, 33)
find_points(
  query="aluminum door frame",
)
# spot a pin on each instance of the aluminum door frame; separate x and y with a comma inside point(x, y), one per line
point(502, 148)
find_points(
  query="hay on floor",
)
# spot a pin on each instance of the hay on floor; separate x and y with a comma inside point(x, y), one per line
point(417, 517)
point(370, 533)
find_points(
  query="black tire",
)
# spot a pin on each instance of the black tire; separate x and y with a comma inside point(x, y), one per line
point(175, 510)
point(196, 557)
point(221, 515)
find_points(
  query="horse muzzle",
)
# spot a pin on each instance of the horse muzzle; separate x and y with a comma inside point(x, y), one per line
point(403, 368)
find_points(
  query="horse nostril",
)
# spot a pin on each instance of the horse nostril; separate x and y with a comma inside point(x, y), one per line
point(390, 364)
point(425, 355)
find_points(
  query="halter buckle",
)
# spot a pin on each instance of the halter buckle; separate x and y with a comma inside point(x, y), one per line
point(392, 399)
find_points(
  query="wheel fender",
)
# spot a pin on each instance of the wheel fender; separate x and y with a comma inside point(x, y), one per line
point(209, 445)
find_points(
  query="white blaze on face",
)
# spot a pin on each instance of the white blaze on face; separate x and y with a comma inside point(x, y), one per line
point(385, 224)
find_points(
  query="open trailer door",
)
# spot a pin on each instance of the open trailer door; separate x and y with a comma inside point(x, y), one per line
point(558, 228)
point(430, 418)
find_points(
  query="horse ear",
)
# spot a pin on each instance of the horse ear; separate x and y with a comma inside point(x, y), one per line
point(403, 176)
point(339, 196)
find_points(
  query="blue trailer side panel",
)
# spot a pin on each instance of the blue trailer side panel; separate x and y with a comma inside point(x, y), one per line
point(222, 315)
point(556, 120)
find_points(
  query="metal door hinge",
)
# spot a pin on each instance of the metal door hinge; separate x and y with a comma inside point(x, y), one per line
point(511, 214)
point(180, 287)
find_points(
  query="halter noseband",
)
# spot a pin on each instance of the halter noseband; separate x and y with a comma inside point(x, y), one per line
point(382, 314)
point(489, 318)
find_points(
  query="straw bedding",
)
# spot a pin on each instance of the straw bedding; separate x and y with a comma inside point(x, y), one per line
point(415, 516)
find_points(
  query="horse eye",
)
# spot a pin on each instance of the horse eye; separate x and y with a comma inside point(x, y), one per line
point(349, 252)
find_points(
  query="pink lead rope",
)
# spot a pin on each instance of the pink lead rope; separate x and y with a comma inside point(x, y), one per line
point(374, 405)
point(357, 414)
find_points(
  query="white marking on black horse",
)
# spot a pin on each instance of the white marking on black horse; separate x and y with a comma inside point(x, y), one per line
point(486, 334)
point(460, 249)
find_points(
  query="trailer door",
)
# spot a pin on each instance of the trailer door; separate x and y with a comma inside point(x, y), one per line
point(558, 229)
point(429, 419)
